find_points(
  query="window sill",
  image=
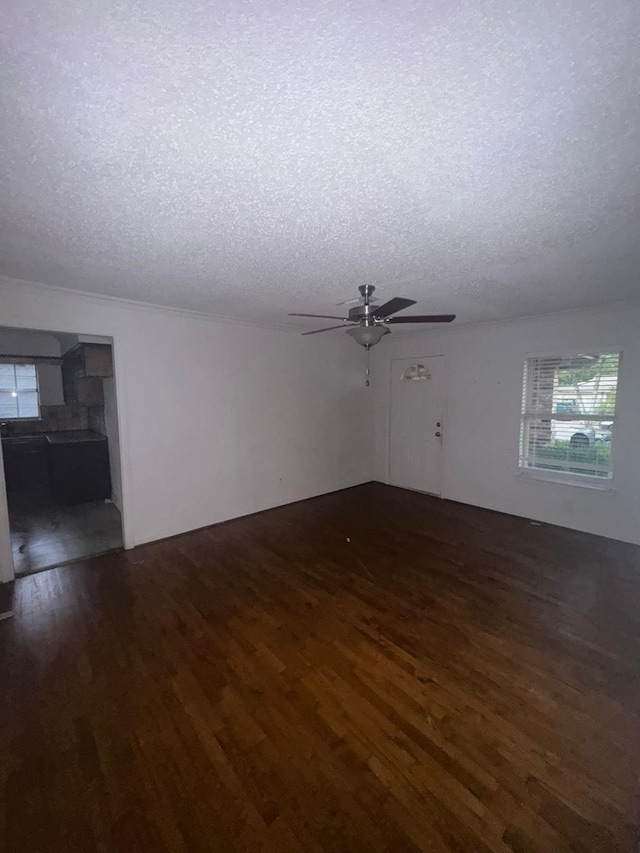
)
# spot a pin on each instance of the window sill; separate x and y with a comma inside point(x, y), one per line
point(582, 482)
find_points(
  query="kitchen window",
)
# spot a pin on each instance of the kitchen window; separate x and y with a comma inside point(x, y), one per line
point(568, 417)
point(19, 392)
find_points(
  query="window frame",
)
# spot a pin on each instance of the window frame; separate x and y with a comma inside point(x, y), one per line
point(567, 478)
point(27, 363)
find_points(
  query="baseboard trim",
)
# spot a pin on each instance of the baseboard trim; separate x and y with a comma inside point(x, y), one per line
point(172, 536)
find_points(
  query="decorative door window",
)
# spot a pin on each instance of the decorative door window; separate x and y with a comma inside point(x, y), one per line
point(416, 373)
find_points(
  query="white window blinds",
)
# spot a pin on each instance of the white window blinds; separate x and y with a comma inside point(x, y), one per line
point(18, 391)
point(569, 414)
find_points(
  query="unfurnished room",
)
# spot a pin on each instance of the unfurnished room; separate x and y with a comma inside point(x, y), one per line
point(320, 426)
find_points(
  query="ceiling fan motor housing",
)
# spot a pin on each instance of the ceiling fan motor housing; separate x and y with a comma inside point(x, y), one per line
point(360, 312)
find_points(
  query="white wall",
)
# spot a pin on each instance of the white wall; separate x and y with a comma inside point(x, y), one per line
point(216, 419)
point(484, 387)
point(21, 342)
point(221, 419)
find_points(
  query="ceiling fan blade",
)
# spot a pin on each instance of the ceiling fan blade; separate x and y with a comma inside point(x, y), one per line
point(423, 318)
point(329, 328)
point(321, 316)
point(392, 307)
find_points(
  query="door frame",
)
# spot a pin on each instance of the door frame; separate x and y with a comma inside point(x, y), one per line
point(441, 355)
point(7, 571)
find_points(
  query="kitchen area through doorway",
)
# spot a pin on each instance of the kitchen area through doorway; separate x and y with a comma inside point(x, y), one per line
point(60, 447)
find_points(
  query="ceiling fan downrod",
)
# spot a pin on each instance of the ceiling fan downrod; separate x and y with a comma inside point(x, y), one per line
point(366, 291)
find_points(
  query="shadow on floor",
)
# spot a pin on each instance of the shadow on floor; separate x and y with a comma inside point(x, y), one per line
point(44, 536)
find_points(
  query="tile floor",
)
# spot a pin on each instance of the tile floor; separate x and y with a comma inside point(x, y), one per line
point(46, 535)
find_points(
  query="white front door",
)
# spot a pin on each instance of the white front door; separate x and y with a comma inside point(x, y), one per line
point(416, 423)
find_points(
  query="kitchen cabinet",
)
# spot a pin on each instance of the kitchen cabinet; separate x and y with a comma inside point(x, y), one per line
point(83, 369)
point(97, 360)
point(25, 467)
point(79, 466)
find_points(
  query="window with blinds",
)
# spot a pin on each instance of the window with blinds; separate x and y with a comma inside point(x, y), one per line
point(569, 414)
point(18, 391)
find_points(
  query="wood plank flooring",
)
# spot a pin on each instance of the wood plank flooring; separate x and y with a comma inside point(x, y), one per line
point(372, 670)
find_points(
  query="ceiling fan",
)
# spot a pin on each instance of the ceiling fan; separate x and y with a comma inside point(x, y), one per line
point(368, 323)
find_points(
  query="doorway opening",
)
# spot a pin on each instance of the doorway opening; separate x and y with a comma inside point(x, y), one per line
point(60, 447)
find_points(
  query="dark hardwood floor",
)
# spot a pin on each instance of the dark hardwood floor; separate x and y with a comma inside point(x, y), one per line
point(373, 670)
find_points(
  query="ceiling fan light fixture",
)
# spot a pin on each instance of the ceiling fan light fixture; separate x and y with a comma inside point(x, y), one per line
point(368, 336)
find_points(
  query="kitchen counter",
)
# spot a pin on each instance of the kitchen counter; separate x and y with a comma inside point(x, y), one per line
point(22, 441)
point(74, 436)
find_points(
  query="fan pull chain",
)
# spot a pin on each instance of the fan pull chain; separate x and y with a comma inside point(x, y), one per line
point(367, 372)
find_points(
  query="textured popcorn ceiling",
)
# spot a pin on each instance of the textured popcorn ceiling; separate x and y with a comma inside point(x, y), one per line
point(254, 158)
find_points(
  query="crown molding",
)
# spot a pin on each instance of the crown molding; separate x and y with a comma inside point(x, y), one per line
point(151, 307)
point(586, 310)
point(132, 304)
